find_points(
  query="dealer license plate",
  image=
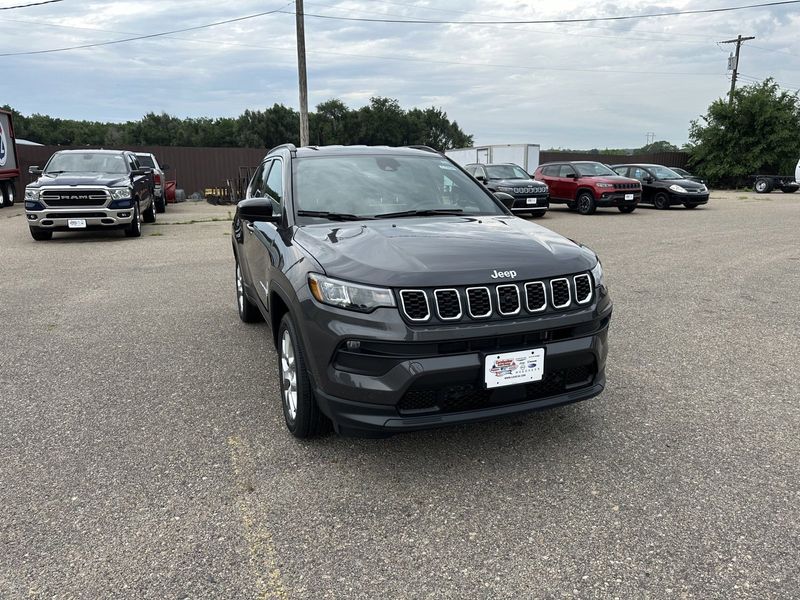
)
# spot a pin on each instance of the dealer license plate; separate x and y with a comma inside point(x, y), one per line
point(76, 223)
point(628, 196)
point(531, 200)
point(512, 368)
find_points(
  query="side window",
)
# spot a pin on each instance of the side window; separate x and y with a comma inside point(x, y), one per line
point(621, 171)
point(565, 171)
point(638, 173)
point(256, 187)
point(551, 171)
point(470, 169)
point(480, 172)
point(274, 182)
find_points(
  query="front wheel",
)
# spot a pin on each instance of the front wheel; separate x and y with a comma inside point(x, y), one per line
point(661, 201)
point(161, 205)
point(626, 209)
point(538, 214)
point(763, 186)
point(586, 203)
point(788, 190)
point(150, 213)
point(134, 229)
point(303, 417)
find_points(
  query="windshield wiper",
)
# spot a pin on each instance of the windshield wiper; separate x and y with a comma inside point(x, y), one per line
point(331, 216)
point(421, 213)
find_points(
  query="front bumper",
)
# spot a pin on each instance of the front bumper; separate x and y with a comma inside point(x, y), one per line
point(676, 198)
point(57, 219)
point(618, 198)
point(531, 203)
point(408, 378)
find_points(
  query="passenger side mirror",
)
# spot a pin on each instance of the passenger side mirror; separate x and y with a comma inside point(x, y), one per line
point(506, 199)
point(480, 177)
point(34, 170)
point(257, 209)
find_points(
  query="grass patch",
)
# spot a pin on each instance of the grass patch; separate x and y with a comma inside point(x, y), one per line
point(156, 234)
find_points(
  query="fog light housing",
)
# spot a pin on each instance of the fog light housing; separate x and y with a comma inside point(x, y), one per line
point(123, 215)
point(32, 217)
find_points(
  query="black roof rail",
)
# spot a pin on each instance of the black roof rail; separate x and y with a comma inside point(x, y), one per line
point(289, 146)
point(423, 147)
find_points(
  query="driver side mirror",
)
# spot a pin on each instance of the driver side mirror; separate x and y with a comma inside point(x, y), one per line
point(572, 175)
point(480, 177)
point(648, 180)
point(257, 209)
point(506, 199)
point(34, 170)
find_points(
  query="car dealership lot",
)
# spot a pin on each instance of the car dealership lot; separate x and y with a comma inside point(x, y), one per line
point(143, 452)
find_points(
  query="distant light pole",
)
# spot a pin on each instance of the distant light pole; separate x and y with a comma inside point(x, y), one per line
point(301, 71)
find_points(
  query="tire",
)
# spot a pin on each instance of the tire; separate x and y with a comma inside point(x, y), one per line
point(763, 185)
point(7, 193)
point(572, 206)
point(41, 235)
point(690, 206)
point(134, 230)
point(626, 209)
point(661, 201)
point(303, 417)
point(585, 203)
point(161, 205)
point(150, 213)
point(248, 312)
point(788, 190)
point(538, 214)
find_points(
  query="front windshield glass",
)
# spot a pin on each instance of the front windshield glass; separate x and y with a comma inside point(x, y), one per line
point(87, 162)
point(379, 184)
point(506, 172)
point(664, 173)
point(593, 169)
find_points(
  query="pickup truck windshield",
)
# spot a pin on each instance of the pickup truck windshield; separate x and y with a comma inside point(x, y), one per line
point(87, 162)
point(371, 185)
point(506, 172)
point(593, 169)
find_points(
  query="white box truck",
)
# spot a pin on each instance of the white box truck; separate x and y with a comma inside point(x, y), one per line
point(524, 155)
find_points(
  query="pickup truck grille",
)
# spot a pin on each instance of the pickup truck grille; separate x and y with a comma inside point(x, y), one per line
point(57, 198)
point(505, 300)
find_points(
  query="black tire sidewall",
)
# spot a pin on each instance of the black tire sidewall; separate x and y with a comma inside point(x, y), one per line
point(663, 205)
point(135, 227)
point(590, 208)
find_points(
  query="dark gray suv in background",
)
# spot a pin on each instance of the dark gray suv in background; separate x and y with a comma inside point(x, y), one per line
point(403, 295)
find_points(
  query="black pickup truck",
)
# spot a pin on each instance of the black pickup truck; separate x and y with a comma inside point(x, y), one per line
point(90, 189)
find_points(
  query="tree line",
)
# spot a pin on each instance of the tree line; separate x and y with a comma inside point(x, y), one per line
point(381, 122)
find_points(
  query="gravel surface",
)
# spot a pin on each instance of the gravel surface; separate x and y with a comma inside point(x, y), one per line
point(143, 452)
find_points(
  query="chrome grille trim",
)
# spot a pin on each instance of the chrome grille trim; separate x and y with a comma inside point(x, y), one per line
point(458, 298)
point(427, 305)
point(469, 305)
point(499, 303)
point(591, 290)
point(553, 295)
point(544, 296)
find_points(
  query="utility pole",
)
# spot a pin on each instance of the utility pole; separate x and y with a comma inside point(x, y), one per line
point(301, 70)
point(734, 65)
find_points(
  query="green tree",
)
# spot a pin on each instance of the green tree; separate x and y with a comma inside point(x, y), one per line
point(756, 133)
point(659, 146)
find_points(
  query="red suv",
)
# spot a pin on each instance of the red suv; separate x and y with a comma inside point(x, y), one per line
point(584, 185)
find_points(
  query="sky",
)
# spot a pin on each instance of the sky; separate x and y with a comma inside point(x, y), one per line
point(581, 86)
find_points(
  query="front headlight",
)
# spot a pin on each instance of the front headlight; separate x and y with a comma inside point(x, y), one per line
point(31, 195)
point(502, 188)
point(605, 185)
point(677, 188)
point(597, 273)
point(344, 294)
point(120, 193)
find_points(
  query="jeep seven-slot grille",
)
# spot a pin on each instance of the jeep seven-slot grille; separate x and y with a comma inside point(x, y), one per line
point(626, 186)
point(504, 300)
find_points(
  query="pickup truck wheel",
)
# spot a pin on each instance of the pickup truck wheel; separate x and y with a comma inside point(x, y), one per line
point(763, 186)
point(150, 213)
point(661, 201)
point(538, 214)
point(788, 190)
point(135, 227)
point(161, 205)
point(41, 235)
point(7, 193)
point(586, 203)
point(303, 417)
point(626, 209)
point(248, 312)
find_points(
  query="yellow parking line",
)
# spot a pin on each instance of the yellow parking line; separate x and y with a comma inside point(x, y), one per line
point(263, 557)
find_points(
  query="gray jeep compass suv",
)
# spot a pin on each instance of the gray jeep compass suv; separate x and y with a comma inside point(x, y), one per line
point(403, 295)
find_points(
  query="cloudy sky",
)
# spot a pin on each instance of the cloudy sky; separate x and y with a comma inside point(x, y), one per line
point(560, 85)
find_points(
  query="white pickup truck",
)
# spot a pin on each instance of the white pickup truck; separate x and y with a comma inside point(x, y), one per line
point(764, 184)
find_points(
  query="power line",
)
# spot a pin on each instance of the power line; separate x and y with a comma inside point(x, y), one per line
point(148, 36)
point(553, 21)
point(31, 4)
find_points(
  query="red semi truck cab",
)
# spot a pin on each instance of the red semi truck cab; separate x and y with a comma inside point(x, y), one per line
point(9, 167)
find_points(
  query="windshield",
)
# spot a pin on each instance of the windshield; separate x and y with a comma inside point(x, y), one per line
point(664, 173)
point(593, 169)
point(87, 162)
point(681, 172)
point(366, 186)
point(146, 160)
point(506, 172)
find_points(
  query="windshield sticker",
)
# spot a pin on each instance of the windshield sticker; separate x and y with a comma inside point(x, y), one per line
point(447, 167)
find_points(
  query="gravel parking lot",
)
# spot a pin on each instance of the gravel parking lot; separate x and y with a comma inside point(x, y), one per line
point(143, 452)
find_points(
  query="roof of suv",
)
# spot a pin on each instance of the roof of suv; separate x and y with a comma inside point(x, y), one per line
point(307, 151)
point(92, 150)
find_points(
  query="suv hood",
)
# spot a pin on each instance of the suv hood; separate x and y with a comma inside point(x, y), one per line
point(441, 251)
point(68, 179)
point(517, 182)
point(610, 179)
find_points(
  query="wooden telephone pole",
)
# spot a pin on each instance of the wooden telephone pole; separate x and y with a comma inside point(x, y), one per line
point(301, 71)
point(735, 66)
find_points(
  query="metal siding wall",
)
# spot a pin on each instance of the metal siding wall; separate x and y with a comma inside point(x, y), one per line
point(194, 168)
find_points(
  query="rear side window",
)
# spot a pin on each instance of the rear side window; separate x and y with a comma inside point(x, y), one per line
point(622, 171)
point(146, 161)
point(550, 171)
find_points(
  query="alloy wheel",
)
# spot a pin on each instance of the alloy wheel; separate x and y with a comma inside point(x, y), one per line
point(289, 375)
